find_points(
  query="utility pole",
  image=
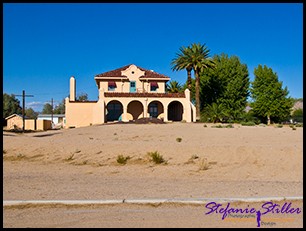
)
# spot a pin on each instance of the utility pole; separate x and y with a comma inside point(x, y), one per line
point(52, 111)
point(23, 107)
point(52, 105)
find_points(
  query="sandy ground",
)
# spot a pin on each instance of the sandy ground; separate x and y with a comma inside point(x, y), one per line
point(80, 164)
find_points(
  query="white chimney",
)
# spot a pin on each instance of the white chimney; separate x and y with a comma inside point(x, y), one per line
point(72, 89)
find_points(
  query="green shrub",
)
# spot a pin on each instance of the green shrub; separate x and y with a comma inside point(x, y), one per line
point(229, 126)
point(279, 126)
point(156, 157)
point(122, 159)
point(299, 125)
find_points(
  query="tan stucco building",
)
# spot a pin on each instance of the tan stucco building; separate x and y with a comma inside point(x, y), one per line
point(129, 93)
point(15, 121)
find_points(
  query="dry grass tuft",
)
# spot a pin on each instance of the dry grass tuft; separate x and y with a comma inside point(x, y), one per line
point(203, 164)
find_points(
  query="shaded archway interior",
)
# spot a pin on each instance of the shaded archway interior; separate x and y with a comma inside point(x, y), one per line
point(175, 111)
point(135, 108)
point(114, 111)
point(155, 109)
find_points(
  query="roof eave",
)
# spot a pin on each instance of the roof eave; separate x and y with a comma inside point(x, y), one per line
point(144, 78)
point(102, 78)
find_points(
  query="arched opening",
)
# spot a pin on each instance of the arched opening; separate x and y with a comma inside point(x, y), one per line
point(114, 111)
point(155, 109)
point(135, 108)
point(175, 111)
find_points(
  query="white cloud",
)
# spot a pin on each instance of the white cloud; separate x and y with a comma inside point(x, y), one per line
point(35, 105)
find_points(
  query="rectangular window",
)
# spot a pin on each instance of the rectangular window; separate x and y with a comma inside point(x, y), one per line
point(153, 86)
point(133, 86)
point(111, 86)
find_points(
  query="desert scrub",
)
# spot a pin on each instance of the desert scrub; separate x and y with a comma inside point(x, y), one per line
point(248, 123)
point(293, 128)
point(226, 126)
point(122, 159)
point(205, 126)
point(203, 164)
point(217, 126)
point(4, 151)
point(279, 126)
point(191, 159)
point(156, 157)
point(179, 139)
point(299, 125)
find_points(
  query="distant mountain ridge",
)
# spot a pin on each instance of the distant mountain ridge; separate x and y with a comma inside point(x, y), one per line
point(298, 105)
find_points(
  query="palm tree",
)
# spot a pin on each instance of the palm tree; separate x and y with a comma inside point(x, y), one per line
point(174, 87)
point(194, 57)
point(183, 61)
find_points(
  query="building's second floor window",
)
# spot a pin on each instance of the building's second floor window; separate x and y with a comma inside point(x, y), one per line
point(153, 86)
point(111, 86)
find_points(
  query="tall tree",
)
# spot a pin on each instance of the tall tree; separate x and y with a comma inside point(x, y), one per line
point(174, 87)
point(11, 105)
point(227, 84)
point(270, 99)
point(297, 115)
point(47, 109)
point(82, 97)
point(30, 113)
point(183, 61)
point(60, 109)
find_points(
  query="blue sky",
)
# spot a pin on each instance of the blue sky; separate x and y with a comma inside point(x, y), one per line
point(44, 44)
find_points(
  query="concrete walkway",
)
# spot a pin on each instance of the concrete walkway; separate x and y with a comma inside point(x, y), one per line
point(146, 201)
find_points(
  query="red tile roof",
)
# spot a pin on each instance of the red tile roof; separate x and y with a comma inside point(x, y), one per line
point(146, 94)
point(117, 73)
